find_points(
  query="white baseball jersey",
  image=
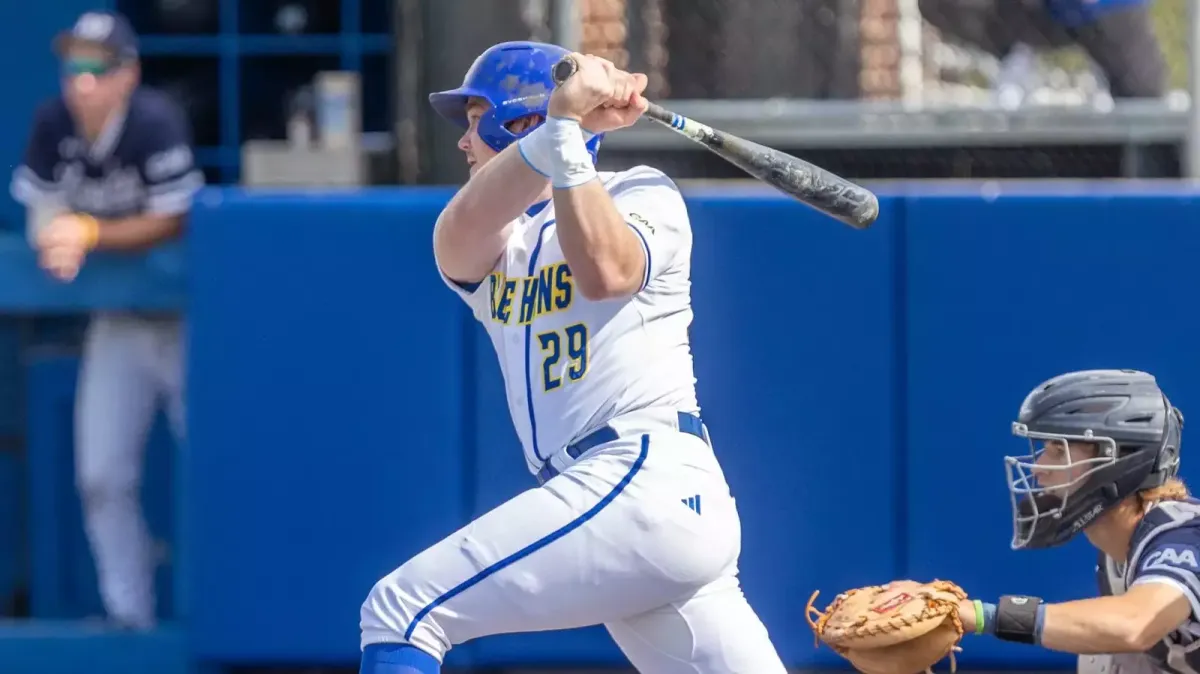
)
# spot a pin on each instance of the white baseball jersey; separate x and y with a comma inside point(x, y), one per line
point(571, 364)
point(565, 554)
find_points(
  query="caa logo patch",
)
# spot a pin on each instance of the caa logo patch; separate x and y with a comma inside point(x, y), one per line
point(169, 163)
point(643, 221)
point(1172, 557)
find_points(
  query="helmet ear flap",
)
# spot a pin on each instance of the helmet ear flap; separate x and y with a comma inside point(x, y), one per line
point(1168, 457)
point(498, 133)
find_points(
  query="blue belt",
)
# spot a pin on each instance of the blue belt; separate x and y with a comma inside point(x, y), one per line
point(688, 423)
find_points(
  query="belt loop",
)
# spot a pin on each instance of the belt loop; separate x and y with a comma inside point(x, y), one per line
point(687, 422)
point(690, 423)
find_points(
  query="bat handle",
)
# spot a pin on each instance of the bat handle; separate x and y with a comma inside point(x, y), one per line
point(660, 114)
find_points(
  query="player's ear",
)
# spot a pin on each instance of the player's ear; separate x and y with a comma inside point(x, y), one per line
point(525, 123)
point(133, 75)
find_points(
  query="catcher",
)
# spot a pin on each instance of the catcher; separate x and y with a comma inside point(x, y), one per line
point(1104, 452)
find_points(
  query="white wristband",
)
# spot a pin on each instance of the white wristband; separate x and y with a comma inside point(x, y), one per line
point(570, 159)
point(541, 146)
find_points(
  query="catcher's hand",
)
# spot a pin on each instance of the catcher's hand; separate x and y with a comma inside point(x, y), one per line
point(904, 627)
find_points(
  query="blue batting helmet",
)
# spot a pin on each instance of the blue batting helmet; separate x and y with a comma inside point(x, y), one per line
point(515, 79)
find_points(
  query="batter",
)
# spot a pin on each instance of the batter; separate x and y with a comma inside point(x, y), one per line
point(581, 279)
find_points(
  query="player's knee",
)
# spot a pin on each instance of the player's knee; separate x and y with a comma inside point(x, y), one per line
point(395, 612)
point(388, 609)
point(99, 484)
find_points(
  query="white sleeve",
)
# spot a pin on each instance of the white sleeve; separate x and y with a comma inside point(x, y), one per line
point(651, 204)
point(476, 295)
point(167, 162)
point(34, 181)
point(1173, 558)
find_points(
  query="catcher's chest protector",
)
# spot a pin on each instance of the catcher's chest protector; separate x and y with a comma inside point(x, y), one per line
point(1164, 534)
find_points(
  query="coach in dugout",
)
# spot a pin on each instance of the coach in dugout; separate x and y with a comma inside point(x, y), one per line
point(109, 167)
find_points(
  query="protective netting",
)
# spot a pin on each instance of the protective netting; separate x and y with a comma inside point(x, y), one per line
point(914, 88)
point(871, 89)
point(933, 51)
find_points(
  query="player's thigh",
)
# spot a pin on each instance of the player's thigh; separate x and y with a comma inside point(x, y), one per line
point(583, 550)
point(525, 566)
point(714, 631)
point(116, 400)
point(169, 367)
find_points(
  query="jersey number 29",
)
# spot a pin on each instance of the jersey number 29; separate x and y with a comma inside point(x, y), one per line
point(573, 340)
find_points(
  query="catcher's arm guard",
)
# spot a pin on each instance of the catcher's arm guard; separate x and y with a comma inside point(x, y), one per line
point(900, 628)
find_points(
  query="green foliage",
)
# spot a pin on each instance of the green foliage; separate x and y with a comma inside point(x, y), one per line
point(1170, 23)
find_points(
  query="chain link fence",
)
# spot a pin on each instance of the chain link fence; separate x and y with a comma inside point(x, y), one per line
point(962, 52)
point(878, 89)
point(881, 89)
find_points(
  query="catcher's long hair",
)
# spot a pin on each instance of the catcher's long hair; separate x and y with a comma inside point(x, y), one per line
point(1172, 490)
point(1135, 505)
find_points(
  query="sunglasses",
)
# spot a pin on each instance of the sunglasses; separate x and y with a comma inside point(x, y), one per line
point(97, 67)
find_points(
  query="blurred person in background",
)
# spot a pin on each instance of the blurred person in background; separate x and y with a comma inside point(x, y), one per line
point(109, 167)
point(1118, 37)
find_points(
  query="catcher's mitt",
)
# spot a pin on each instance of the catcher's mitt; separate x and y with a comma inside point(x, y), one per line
point(904, 627)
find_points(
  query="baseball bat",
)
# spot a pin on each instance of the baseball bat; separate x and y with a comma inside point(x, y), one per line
point(827, 192)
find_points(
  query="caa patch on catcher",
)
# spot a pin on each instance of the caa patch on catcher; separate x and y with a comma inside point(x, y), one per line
point(904, 627)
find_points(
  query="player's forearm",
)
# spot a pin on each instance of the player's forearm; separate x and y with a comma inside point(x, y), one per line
point(1111, 624)
point(41, 213)
point(1091, 626)
point(471, 232)
point(497, 194)
point(606, 258)
point(138, 232)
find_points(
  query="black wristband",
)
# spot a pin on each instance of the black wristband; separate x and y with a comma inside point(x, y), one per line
point(1016, 618)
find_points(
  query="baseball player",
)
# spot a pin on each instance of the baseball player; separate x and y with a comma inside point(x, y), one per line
point(581, 279)
point(108, 166)
point(1106, 465)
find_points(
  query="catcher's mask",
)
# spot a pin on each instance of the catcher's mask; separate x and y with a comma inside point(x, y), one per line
point(1103, 435)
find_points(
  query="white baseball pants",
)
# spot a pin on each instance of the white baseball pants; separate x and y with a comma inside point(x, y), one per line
point(130, 366)
point(615, 539)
